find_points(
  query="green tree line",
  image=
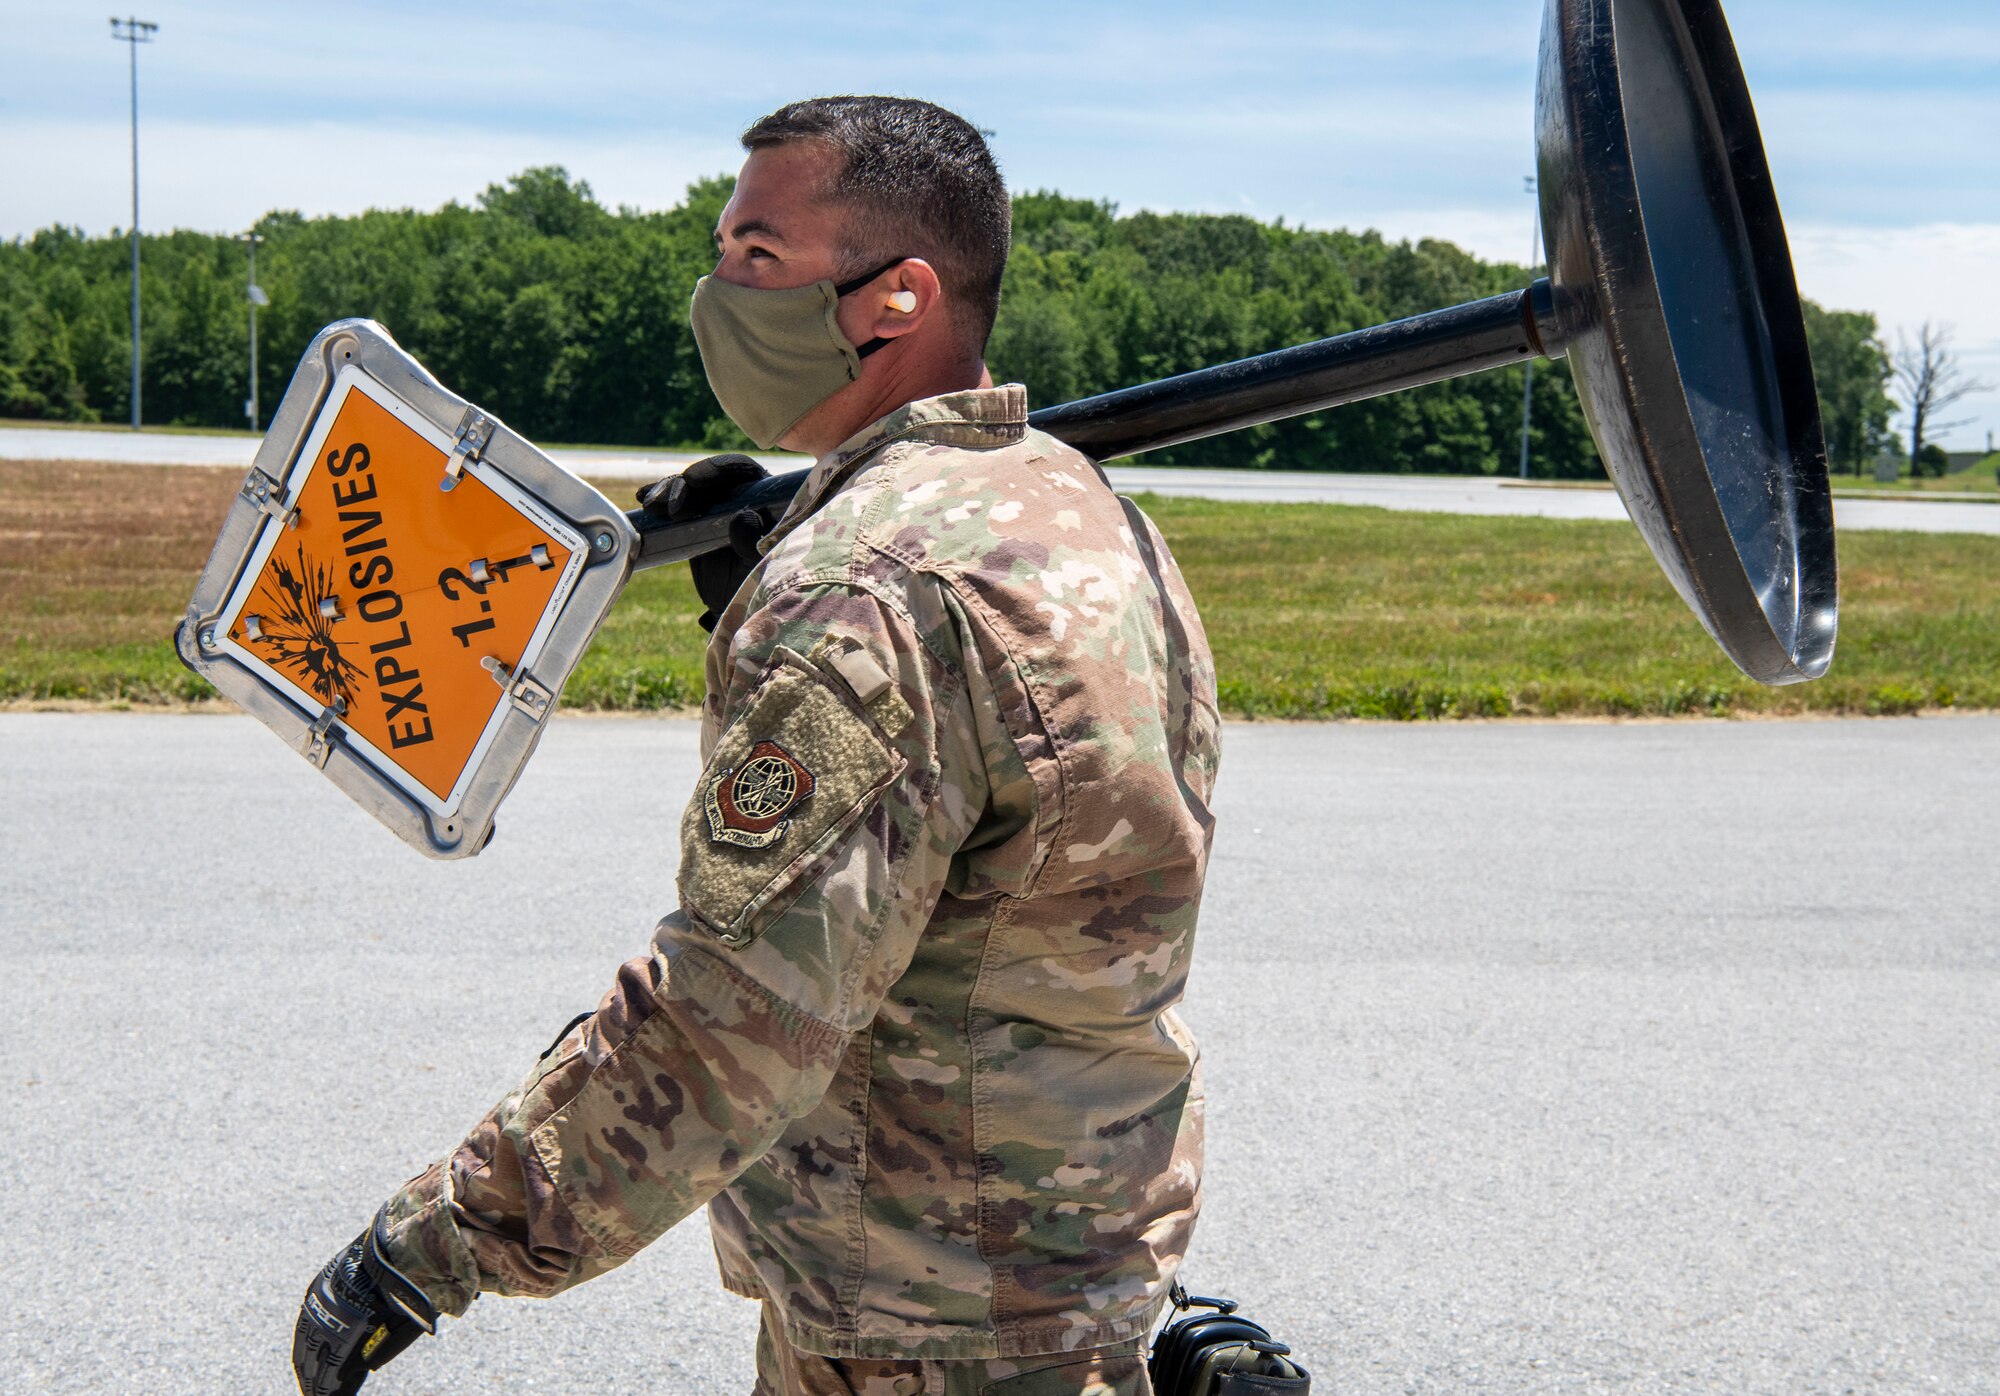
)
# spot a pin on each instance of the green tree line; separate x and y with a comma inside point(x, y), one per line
point(570, 321)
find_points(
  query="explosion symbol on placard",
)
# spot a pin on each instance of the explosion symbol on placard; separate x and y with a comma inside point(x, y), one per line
point(299, 639)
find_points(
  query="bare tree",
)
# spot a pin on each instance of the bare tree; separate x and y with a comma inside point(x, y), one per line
point(1931, 380)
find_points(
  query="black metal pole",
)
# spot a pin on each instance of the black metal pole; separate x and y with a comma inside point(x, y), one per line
point(1528, 369)
point(132, 33)
point(661, 542)
point(250, 294)
point(1289, 382)
point(1470, 338)
point(132, 47)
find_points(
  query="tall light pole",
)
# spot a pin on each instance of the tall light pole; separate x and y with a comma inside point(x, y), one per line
point(256, 297)
point(134, 32)
point(1528, 377)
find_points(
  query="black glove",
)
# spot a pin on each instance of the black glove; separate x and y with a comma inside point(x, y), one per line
point(359, 1312)
point(701, 489)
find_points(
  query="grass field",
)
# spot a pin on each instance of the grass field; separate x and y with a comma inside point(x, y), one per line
point(1314, 611)
point(1976, 483)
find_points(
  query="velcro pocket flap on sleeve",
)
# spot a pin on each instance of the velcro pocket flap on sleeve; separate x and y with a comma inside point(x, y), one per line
point(787, 782)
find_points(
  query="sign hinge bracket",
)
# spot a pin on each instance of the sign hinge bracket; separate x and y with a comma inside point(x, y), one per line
point(269, 497)
point(318, 744)
point(522, 690)
point(469, 442)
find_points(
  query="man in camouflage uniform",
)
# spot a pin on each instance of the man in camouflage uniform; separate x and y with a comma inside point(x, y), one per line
point(910, 1033)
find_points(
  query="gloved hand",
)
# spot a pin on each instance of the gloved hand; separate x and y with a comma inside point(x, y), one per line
point(359, 1312)
point(701, 489)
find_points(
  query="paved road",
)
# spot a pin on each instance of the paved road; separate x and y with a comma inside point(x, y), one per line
point(1481, 495)
point(1433, 494)
point(1632, 1058)
point(178, 448)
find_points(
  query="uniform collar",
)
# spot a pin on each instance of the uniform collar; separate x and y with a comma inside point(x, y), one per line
point(971, 417)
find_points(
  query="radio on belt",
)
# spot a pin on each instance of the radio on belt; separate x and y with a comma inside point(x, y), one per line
point(402, 587)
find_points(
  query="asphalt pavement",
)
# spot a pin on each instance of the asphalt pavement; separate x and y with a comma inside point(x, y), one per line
point(125, 447)
point(1541, 1057)
point(1448, 494)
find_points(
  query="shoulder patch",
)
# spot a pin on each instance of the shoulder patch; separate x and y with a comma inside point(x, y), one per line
point(787, 783)
point(747, 804)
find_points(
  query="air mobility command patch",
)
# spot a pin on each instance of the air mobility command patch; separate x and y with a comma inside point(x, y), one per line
point(748, 805)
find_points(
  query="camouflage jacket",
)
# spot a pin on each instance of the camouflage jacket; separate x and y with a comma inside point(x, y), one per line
point(911, 1033)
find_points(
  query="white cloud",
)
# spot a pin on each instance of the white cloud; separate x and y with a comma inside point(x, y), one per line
point(224, 177)
point(1943, 272)
point(1495, 234)
point(1776, 37)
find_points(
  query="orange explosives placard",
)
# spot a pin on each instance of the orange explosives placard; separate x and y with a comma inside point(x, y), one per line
point(389, 592)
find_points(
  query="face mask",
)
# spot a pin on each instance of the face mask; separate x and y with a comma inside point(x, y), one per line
point(773, 356)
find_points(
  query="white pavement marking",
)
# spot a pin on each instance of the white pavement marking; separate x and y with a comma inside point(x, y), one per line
point(1540, 1057)
point(1440, 494)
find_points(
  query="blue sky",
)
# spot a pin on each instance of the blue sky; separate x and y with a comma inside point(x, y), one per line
point(1883, 131)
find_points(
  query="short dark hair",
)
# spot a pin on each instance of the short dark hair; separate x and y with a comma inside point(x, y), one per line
point(918, 181)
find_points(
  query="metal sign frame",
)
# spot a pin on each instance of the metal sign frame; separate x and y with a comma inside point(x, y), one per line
point(359, 357)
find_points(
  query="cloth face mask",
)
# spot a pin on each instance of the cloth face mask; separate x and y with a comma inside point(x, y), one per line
point(773, 356)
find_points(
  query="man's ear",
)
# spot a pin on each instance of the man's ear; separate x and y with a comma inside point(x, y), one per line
point(901, 299)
